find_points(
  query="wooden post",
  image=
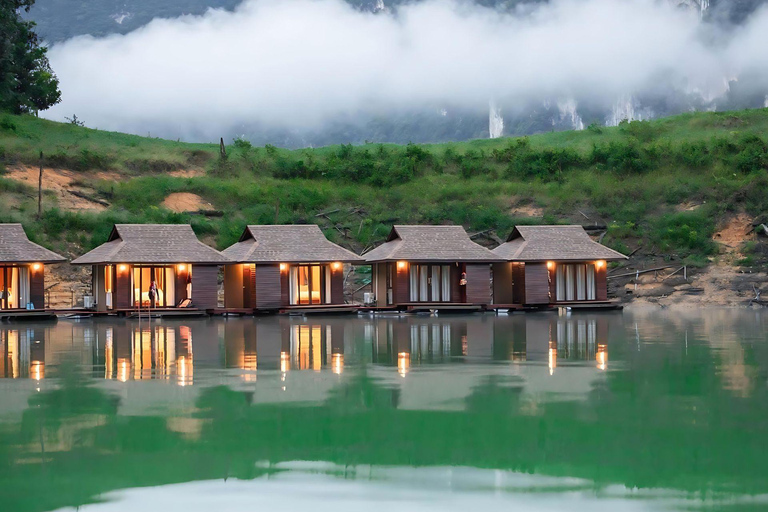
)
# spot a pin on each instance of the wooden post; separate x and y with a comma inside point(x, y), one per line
point(222, 149)
point(40, 189)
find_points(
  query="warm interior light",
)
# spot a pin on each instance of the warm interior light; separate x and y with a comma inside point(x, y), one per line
point(37, 370)
point(400, 265)
point(36, 266)
point(285, 361)
point(552, 358)
point(403, 363)
point(283, 267)
point(602, 357)
point(123, 369)
point(182, 267)
point(599, 264)
point(337, 363)
point(123, 268)
point(336, 265)
point(550, 265)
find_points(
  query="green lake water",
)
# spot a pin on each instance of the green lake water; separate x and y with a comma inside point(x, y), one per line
point(624, 411)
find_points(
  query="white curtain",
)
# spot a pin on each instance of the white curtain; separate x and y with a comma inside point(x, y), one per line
point(560, 282)
point(446, 283)
point(24, 289)
point(327, 271)
point(170, 286)
point(581, 282)
point(294, 285)
point(570, 292)
point(423, 283)
point(435, 283)
point(590, 281)
point(414, 281)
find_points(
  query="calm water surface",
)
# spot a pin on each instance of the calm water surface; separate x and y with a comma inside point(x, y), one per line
point(640, 410)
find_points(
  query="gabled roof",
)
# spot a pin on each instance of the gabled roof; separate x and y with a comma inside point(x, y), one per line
point(152, 243)
point(556, 243)
point(15, 247)
point(295, 243)
point(430, 243)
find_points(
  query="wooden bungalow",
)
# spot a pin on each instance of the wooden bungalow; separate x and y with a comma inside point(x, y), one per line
point(551, 265)
point(184, 269)
point(22, 269)
point(285, 267)
point(430, 267)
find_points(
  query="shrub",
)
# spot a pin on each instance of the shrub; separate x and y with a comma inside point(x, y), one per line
point(684, 233)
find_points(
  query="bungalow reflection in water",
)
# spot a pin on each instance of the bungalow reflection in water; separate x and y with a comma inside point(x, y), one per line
point(135, 351)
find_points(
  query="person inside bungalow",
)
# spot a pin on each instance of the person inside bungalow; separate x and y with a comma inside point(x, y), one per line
point(158, 265)
point(22, 269)
point(548, 265)
point(285, 266)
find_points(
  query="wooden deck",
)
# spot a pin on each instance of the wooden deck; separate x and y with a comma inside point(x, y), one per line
point(162, 313)
point(320, 309)
point(580, 305)
point(16, 315)
point(418, 307)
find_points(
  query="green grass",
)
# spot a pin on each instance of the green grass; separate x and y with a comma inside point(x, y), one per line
point(634, 177)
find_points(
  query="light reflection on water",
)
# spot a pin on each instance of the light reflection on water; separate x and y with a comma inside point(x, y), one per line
point(612, 406)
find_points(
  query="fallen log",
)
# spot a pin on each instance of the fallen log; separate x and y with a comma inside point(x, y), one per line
point(88, 198)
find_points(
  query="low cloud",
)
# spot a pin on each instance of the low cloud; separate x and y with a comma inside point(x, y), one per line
point(297, 64)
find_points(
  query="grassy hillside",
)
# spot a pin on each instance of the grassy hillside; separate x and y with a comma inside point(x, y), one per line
point(661, 187)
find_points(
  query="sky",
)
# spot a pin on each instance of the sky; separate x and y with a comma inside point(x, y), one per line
point(300, 64)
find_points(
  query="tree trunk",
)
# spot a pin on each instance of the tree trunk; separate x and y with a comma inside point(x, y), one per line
point(40, 189)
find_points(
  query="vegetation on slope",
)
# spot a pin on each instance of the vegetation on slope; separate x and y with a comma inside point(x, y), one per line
point(661, 186)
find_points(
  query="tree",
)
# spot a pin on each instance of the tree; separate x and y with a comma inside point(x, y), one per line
point(27, 82)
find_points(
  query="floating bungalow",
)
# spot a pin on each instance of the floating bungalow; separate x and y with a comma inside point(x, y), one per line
point(431, 267)
point(551, 265)
point(286, 267)
point(22, 271)
point(185, 270)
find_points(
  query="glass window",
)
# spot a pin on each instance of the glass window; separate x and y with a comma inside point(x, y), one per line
point(108, 278)
point(307, 284)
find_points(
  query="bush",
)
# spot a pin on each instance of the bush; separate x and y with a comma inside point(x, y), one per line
point(684, 233)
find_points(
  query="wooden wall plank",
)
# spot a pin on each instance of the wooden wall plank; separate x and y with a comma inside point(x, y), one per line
point(503, 292)
point(401, 290)
point(536, 283)
point(478, 283)
point(122, 295)
point(268, 286)
point(337, 285)
point(205, 286)
point(601, 283)
point(36, 288)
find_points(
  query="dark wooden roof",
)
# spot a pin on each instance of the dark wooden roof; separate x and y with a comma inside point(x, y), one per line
point(152, 243)
point(428, 244)
point(296, 243)
point(15, 247)
point(555, 243)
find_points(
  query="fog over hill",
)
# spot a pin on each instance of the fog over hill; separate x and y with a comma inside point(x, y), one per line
point(301, 72)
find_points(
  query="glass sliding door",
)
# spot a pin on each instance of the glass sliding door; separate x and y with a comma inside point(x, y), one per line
point(574, 282)
point(165, 281)
point(12, 288)
point(430, 283)
point(309, 284)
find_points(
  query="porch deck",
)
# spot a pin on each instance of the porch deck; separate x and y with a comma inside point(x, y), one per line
point(11, 315)
point(321, 309)
point(162, 312)
point(605, 305)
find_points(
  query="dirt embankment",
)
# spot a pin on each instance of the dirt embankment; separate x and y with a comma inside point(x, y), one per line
point(722, 283)
point(71, 194)
point(180, 202)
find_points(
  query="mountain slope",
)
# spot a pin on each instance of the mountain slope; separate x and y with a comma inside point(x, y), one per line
point(660, 190)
